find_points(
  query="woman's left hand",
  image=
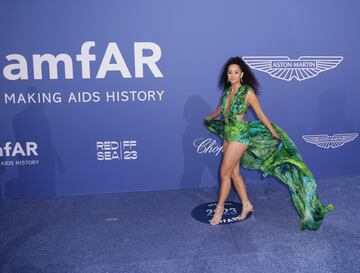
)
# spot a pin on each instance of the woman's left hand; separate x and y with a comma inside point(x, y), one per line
point(276, 135)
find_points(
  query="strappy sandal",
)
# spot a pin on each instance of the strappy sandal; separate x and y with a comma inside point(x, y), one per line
point(217, 216)
point(244, 214)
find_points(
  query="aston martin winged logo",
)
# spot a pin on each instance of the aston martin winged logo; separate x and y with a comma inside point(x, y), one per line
point(284, 68)
point(326, 141)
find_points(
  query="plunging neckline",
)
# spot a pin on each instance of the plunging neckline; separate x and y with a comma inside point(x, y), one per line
point(228, 102)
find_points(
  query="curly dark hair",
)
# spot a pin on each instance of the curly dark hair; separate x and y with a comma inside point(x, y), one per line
point(248, 77)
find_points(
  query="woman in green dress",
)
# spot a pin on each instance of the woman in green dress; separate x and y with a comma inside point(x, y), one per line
point(258, 145)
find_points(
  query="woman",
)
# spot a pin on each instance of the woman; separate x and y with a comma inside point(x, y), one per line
point(259, 145)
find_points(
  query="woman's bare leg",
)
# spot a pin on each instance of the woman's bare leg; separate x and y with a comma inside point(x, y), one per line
point(240, 187)
point(232, 154)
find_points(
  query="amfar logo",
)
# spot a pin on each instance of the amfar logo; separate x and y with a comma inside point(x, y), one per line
point(284, 68)
point(207, 146)
point(18, 69)
point(116, 150)
point(16, 154)
point(16, 149)
point(326, 141)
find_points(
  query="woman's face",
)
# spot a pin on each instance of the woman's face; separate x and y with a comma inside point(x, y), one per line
point(234, 73)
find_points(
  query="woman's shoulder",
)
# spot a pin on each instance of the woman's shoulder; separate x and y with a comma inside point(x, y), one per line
point(249, 93)
point(249, 88)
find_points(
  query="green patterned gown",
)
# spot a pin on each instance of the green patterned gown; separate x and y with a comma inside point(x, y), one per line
point(279, 158)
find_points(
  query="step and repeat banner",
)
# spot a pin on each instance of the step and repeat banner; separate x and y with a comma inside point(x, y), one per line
point(110, 96)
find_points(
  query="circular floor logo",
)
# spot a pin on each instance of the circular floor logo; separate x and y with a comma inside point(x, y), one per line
point(205, 212)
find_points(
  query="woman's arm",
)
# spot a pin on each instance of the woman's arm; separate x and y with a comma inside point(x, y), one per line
point(252, 100)
point(214, 114)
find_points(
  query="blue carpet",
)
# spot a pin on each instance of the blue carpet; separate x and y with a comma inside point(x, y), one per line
point(154, 232)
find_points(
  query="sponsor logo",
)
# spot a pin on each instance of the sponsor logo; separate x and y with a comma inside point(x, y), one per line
point(326, 141)
point(24, 153)
point(207, 146)
point(284, 68)
point(116, 150)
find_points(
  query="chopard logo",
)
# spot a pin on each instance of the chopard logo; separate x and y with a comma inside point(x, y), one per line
point(326, 141)
point(207, 146)
point(284, 68)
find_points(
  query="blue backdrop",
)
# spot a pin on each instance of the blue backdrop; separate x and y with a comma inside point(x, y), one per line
point(110, 96)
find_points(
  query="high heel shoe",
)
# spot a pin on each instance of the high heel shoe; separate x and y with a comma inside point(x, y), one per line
point(244, 214)
point(218, 215)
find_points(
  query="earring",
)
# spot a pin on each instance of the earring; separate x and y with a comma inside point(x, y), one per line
point(241, 80)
